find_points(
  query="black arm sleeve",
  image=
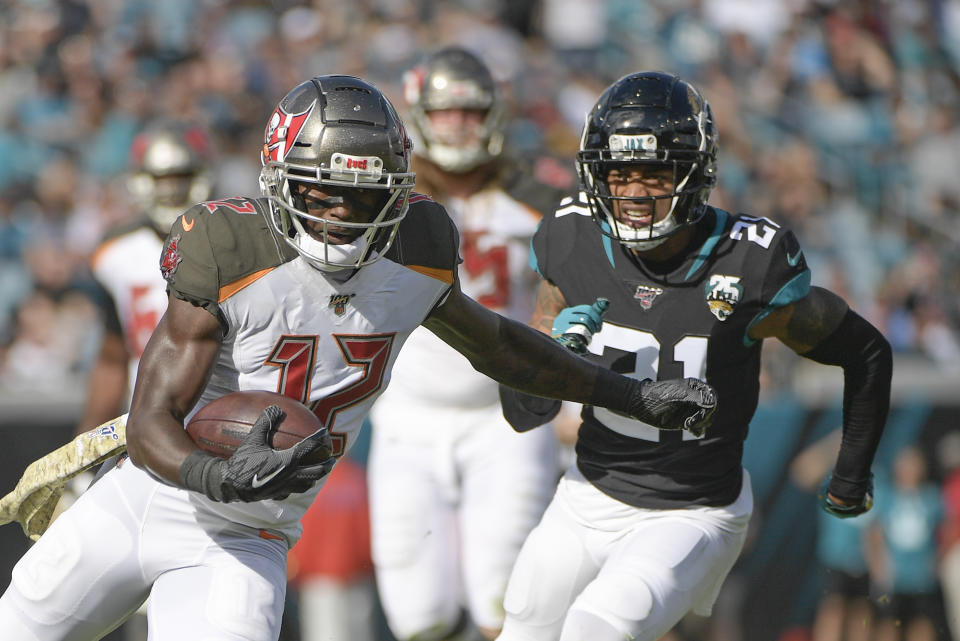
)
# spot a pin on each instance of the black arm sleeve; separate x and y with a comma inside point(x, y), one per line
point(867, 362)
point(524, 411)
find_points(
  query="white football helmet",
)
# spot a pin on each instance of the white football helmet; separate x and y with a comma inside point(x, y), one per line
point(453, 78)
point(170, 171)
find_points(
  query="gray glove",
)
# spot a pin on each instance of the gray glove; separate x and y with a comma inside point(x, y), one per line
point(675, 404)
point(256, 471)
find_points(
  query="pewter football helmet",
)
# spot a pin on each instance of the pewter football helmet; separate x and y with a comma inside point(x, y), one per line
point(340, 132)
point(649, 118)
point(170, 171)
point(453, 78)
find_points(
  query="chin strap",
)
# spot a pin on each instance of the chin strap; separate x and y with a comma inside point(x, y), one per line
point(338, 257)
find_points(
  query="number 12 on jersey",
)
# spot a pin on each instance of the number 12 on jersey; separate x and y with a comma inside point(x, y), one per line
point(296, 356)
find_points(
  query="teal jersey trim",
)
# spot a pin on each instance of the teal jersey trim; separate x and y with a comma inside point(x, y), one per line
point(797, 288)
point(532, 260)
point(711, 242)
point(607, 243)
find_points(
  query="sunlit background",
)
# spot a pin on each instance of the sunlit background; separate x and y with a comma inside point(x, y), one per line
point(839, 119)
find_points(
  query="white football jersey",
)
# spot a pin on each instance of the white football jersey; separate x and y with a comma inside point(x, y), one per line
point(126, 265)
point(293, 329)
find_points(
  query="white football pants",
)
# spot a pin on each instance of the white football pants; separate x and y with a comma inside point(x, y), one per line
point(597, 569)
point(128, 537)
point(453, 493)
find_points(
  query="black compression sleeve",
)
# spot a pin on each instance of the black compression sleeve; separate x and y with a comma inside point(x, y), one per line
point(617, 393)
point(867, 362)
point(525, 411)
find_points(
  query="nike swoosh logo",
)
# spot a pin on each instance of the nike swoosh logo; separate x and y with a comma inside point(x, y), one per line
point(257, 482)
point(187, 226)
point(792, 260)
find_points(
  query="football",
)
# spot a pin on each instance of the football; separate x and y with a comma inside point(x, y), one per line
point(219, 426)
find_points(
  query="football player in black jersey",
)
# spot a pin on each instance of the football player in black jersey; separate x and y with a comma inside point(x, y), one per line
point(308, 291)
point(647, 523)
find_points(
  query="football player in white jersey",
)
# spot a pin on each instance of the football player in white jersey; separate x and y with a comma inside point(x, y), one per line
point(169, 173)
point(446, 532)
point(309, 291)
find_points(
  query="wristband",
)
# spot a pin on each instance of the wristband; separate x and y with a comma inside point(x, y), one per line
point(201, 473)
point(616, 392)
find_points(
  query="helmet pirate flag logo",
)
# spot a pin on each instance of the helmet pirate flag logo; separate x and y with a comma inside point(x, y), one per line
point(282, 131)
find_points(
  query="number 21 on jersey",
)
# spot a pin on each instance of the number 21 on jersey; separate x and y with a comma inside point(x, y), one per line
point(689, 350)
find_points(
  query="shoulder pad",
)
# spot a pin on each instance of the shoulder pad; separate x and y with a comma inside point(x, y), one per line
point(119, 231)
point(538, 181)
point(426, 238)
point(556, 235)
point(216, 244)
point(127, 227)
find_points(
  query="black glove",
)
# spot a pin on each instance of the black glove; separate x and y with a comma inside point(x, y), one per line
point(675, 404)
point(256, 471)
point(849, 508)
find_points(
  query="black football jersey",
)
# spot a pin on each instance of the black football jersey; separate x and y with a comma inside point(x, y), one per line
point(691, 321)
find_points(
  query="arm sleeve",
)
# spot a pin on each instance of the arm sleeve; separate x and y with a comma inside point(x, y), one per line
point(525, 411)
point(867, 362)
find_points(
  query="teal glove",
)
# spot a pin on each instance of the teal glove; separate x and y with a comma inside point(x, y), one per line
point(845, 511)
point(574, 326)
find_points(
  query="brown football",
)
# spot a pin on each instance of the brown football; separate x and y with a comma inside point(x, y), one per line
point(220, 425)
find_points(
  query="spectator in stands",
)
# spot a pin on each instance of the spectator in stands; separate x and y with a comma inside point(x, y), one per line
point(903, 553)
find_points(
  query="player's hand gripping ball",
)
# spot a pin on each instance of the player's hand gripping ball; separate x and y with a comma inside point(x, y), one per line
point(218, 427)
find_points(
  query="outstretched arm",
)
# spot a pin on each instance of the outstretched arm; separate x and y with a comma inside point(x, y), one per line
point(511, 352)
point(521, 357)
point(823, 328)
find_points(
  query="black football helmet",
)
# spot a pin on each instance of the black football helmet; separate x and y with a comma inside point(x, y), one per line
point(170, 170)
point(454, 78)
point(337, 131)
point(649, 118)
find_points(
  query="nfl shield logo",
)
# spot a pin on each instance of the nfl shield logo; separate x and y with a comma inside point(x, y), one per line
point(646, 295)
point(339, 303)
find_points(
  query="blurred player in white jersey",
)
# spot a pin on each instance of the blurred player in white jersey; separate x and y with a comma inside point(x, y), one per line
point(446, 531)
point(169, 173)
point(309, 291)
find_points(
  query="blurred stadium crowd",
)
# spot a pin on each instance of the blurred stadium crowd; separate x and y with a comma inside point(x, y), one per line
point(838, 118)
